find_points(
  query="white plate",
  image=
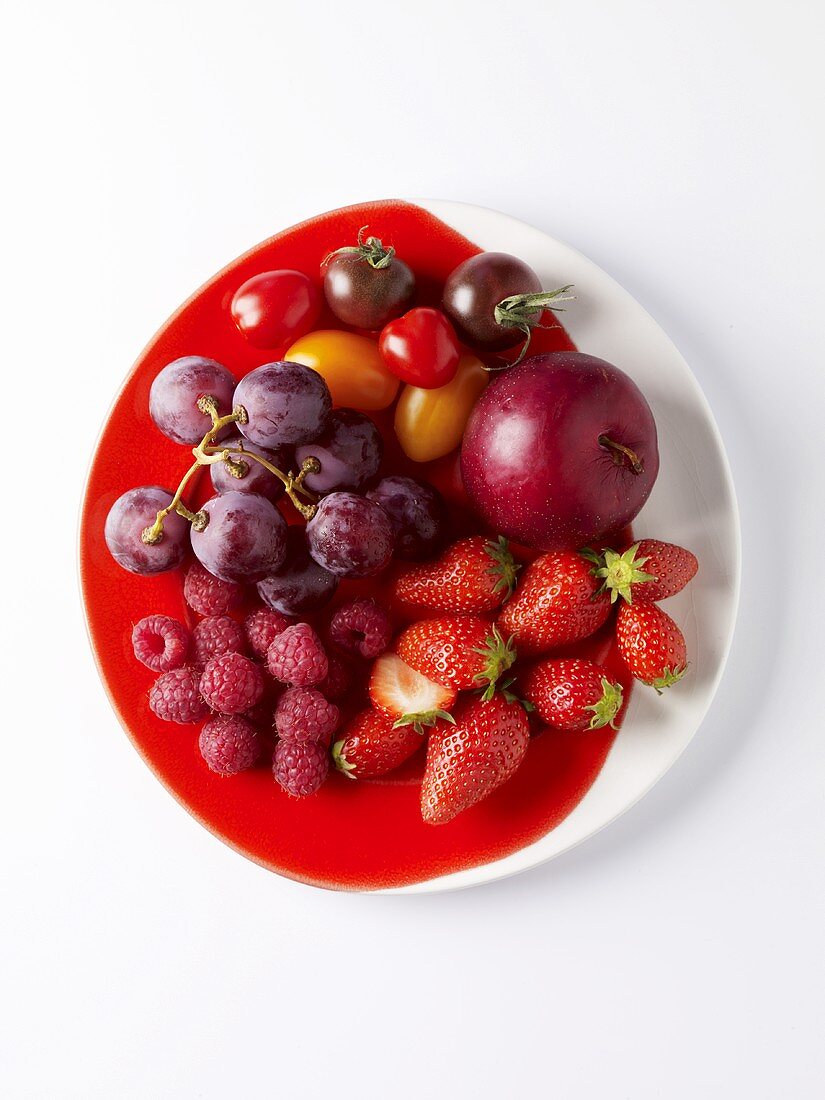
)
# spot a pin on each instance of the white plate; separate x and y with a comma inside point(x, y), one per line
point(693, 503)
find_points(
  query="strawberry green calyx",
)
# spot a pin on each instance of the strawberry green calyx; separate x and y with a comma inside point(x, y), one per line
point(668, 678)
point(511, 697)
point(423, 719)
point(504, 566)
point(606, 709)
point(498, 657)
point(618, 572)
point(340, 761)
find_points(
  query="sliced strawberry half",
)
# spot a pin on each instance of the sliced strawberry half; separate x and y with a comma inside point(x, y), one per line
point(408, 696)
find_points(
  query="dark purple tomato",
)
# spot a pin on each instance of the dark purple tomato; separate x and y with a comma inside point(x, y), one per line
point(367, 285)
point(276, 307)
point(475, 288)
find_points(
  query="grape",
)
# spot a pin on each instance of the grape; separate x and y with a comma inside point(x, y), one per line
point(349, 450)
point(245, 538)
point(257, 479)
point(350, 535)
point(301, 584)
point(284, 402)
point(417, 514)
point(129, 517)
point(173, 398)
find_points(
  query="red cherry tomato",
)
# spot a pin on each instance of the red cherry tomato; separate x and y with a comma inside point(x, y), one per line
point(276, 307)
point(421, 348)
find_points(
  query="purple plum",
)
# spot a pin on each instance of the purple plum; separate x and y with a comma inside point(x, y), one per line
point(559, 451)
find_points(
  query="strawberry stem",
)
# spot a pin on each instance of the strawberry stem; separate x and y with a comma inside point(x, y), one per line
point(667, 678)
point(618, 572)
point(498, 657)
point(340, 761)
point(423, 719)
point(606, 709)
point(504, 566)
point(511, 697)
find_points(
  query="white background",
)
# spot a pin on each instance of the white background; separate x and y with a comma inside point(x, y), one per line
point(679, 953)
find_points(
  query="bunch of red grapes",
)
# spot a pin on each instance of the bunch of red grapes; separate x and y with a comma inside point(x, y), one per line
point(277, 418)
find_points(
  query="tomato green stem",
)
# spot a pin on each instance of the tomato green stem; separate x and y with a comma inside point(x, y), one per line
point(523, 311)
point(371, 249)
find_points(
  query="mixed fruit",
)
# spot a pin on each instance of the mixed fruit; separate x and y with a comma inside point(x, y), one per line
point(350, 614)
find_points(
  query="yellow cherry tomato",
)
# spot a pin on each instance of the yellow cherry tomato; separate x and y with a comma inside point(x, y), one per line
point(350, 365)
point(430, 423)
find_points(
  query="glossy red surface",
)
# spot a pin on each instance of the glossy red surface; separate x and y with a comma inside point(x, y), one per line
point(351, 835)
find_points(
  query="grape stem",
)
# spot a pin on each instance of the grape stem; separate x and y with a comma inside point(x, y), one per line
point(153, 535)
point(208, 452)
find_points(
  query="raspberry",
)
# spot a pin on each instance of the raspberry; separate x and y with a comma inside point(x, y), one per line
point(361, 626)
point(215, 635)
point(229, 744)
point(231, 683)
point(208, 595)
point(338, 680)
point(300, 766)
point(303, 714)
point(160, 643)
point(297, 657)
point(175, 696)
point(262, 627)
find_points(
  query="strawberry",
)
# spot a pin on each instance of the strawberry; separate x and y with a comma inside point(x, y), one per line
point(651, 644)
point(573, 694)
point(462, 652)
point(469, 760)
point(373, 745)
point(474, 574)
point(558, 602)
point(667, 569)
point(406, 696)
